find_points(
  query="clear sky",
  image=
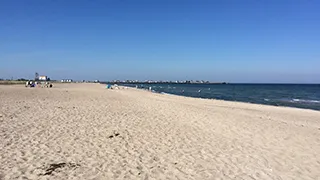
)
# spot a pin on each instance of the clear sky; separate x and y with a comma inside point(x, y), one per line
point(228, 40)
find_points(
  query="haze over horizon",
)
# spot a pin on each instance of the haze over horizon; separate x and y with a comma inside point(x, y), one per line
point(230, 41)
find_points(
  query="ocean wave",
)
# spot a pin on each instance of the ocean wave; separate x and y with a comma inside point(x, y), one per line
point(305, 101)
point(301, 101)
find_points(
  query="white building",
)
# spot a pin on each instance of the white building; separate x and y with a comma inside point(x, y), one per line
point(43, 78)
point(66, 80)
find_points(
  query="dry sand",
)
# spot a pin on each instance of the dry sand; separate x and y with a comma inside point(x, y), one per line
point(83, 131)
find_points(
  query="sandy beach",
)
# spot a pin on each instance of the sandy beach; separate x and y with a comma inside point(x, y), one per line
point(84, 131)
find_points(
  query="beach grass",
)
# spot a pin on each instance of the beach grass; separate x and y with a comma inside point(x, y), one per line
point(11, 82)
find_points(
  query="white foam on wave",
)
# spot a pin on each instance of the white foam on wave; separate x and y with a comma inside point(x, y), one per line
point(305, 101)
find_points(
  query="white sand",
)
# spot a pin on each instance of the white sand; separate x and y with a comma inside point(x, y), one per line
point(134, 134)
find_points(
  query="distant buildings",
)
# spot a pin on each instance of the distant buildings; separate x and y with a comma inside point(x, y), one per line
point(66, 80)
point(166, 82)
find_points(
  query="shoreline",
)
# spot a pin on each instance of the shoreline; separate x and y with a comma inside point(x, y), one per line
point(231, 101)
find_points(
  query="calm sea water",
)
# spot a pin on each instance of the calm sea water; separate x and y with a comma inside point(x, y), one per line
point(292, 95)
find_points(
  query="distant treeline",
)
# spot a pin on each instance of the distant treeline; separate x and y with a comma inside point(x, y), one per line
point(22, 79)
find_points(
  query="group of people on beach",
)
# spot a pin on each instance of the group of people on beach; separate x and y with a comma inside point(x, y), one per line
point(37, 84)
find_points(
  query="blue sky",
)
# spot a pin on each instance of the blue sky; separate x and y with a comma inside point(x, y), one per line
point(230, 40)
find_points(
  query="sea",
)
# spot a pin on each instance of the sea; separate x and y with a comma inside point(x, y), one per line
point(291, 95)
